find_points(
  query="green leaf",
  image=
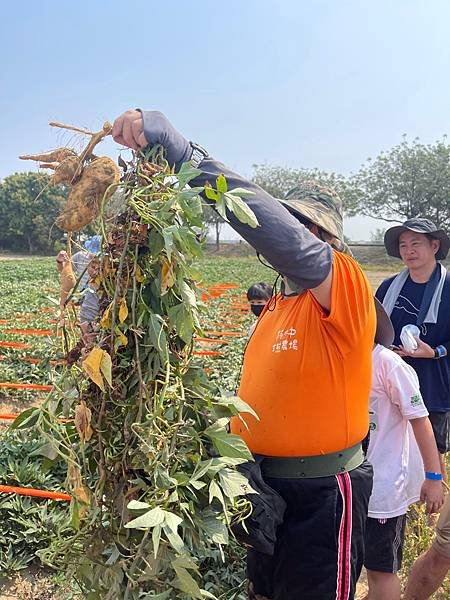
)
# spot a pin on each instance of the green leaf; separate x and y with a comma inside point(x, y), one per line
point(234, 483)
point(211, 194)
point(241, 211)
point(198, 485)
point(172, 520)
point(167, 595)
point(191, 204)
point(187, 173)
point(201, 469)
point(148, 520)
point(186, 583)
point(48, 450)
point(27, 418)
point(206, 594)
point(137, 505)
point(75, 514)
point(174, 539)
point(156, 538)
point(181, 319)
point(168, 241)
point(188, 294)
point(215, 492)
point(221, 184)
point(215, 529)
point(236, 405)
point(157, 335)
point(227, 444)
point(221, 208)
point(241, 192)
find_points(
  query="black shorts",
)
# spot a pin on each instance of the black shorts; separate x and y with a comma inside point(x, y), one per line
point(384, 544)
point(319, 550)
point(440, 421)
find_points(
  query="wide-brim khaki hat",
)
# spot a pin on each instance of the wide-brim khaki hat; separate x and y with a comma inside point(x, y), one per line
point(425, 226)
point(319, 204)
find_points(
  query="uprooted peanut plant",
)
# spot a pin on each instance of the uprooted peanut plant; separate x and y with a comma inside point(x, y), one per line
point(150, 463)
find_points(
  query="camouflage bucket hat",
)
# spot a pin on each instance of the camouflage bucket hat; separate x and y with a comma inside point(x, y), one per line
point(319, 204)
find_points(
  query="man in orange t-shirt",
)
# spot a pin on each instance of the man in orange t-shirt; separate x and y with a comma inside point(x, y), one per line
point(306, 373)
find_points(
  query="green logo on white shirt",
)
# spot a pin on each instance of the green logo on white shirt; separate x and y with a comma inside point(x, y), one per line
point(416, 400)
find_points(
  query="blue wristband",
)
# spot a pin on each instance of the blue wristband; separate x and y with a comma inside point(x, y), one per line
point(433, 476)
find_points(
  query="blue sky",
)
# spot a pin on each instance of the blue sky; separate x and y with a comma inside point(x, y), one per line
point(317, 83)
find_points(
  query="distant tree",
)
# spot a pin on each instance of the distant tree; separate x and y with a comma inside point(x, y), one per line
point(214, 220)
point(377, 235)
point(279, 180)
point(28, 209)
point(410, 180)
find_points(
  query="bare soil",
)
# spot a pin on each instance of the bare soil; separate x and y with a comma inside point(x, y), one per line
point(30, 584)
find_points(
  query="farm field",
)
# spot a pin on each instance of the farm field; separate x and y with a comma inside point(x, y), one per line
point(30, 353)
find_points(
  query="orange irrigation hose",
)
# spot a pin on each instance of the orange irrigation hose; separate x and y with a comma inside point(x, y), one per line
point(239, 316)
point(30, 331)
point(229, 324)
point(208, 341)
point(25, 386)
point(11, 489)
point(11, 417)
point(224, 333)
point(207, 353)
point(34, 361)
point(14, 345)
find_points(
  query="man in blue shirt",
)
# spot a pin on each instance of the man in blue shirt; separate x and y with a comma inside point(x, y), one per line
point(420, 295)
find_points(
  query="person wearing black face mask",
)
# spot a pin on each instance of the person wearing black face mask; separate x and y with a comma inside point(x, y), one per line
point(258, 294)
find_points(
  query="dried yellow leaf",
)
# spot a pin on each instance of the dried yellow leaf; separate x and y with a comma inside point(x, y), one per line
point(73, 479)
point(167, 277)
point(123, 310)
point(122, 338)
point(105, 321)
point(82, 494)
point(106, 367)
point(92, 366)
point(79, 491)
point(83, 421)
point(139, 274)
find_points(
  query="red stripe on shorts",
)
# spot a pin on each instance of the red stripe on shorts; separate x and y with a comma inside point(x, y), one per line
point(345, 538)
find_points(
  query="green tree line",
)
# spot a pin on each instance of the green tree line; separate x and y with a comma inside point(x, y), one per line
point(28, 209)
point(411, 179)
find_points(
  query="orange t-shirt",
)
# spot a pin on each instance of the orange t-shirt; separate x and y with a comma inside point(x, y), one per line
point(307, 374)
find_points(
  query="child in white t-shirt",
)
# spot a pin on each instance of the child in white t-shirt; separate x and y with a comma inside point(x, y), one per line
point(401, 444)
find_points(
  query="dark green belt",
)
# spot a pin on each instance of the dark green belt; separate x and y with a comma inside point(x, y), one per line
point(323, 465)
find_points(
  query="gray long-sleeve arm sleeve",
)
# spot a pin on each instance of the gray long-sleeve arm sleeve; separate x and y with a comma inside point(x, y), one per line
point(289, 247)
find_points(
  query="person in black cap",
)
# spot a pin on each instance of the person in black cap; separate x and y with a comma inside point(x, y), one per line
point(420, 295)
